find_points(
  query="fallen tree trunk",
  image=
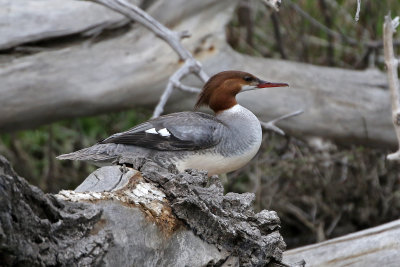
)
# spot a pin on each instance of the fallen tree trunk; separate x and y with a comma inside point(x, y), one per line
point(122, 217)
point(24, 21)
point(378, 246)
point(132, 69)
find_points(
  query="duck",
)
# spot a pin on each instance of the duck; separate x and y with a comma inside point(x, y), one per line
point(219, 143)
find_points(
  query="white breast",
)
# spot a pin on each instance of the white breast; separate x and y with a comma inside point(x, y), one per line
point(241, 144)
point(216, 163)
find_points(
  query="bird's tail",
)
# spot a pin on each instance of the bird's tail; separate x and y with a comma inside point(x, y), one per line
point(96, 153)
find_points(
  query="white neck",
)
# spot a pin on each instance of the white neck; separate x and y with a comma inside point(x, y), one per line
point(241, 121)
point(236, 113)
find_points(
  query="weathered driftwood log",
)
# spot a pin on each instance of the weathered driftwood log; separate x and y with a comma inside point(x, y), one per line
point(132, 69)
point(120, 217)
point(24, 21)
point(378, 246)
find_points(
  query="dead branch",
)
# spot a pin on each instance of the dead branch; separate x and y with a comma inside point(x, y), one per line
point(172, 38)
point(271, 124)
point(389, 27)
point(191, 66)
point(274, 4)
point(357, 17)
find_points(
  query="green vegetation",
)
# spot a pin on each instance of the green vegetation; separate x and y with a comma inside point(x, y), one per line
point(33, 152)
point(334, 38)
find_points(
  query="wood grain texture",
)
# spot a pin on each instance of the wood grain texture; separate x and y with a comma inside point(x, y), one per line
point(378, 246)
point(26, 21)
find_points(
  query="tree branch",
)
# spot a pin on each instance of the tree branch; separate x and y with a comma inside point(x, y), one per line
point(389, 27)
point(172, 38)
point(357, 17)
point(274, 4)
point(271, 124)
point(174, 82)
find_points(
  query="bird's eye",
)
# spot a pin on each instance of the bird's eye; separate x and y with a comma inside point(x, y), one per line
point(248, 78)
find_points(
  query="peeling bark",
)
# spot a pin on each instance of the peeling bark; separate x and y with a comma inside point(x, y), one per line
point(119, 217)
point(172, 200)
point(40, 230)
point(227, 221)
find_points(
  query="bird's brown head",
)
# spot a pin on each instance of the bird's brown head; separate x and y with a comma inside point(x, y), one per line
point(219, 93)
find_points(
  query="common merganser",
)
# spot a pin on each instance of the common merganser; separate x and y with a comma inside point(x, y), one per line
point(218, 144)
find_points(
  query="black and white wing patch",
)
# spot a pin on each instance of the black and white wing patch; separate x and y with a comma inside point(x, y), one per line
point(177, 131)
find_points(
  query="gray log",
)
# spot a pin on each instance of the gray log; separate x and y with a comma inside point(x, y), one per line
point(131, 71)
point(26, 21)
point(120, 217)
point(378, 246)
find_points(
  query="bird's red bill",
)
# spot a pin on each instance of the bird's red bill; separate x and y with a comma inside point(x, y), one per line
point(264, 84)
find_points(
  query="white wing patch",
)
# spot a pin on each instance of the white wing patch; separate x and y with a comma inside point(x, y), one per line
point(151, 131)
point(164, 132)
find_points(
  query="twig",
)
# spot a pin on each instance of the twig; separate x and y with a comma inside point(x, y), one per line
point(271, 124)
point(301, 215)
point(174, 81)
point(357, 17)
point(274, 4)
point(389, 27)
point(173, 39)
